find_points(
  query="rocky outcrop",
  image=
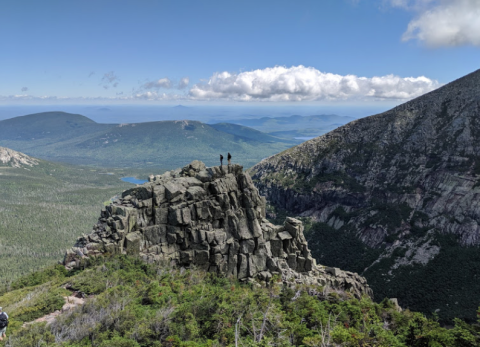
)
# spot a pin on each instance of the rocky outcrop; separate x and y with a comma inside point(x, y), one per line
point(9, 157)
point(214, 219)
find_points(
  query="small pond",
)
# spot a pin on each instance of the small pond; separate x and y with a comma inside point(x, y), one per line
point(133, 180)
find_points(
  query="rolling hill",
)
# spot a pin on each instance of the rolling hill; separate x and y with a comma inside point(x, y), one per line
point(76, 139)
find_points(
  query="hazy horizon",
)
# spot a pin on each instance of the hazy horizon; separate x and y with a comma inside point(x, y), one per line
point(204, 113)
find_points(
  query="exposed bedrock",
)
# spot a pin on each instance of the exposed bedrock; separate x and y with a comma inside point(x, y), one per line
point(421, 159)
point(212, 218)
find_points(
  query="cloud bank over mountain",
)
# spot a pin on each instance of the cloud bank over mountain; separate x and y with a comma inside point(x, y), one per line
point(299, 83)
point(271, 84)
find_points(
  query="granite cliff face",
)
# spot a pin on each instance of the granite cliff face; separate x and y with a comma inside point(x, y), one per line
point(400, 180)
point(424, 154)
point(212, 218)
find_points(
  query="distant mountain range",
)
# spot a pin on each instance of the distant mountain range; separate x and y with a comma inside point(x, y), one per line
point(295, 126)
point(76, 139)
point(396, 197)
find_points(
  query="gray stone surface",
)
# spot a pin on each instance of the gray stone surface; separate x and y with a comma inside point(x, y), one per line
point(423, 155)
point(213, 219)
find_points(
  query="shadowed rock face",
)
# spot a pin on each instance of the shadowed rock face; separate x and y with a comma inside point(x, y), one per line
point(421, 160)
point(212, 218)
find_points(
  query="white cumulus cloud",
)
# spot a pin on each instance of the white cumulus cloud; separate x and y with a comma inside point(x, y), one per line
point(298, 83)
point(166, 83)
point(443, 23)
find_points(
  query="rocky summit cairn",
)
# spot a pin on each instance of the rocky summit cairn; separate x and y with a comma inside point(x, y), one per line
point(212, 218)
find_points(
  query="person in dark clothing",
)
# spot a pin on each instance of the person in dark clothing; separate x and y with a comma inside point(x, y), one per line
point(3, 324)
point(229, 158)
point(221, 160)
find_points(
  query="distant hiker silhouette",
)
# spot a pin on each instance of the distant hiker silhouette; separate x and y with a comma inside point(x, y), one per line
point(221, 160)
point(229, 158)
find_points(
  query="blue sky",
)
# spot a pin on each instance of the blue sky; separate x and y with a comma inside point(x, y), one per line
point(207, 52)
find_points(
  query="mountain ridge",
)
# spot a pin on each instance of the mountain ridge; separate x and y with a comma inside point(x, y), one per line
point(400, 182)
point(76, 139)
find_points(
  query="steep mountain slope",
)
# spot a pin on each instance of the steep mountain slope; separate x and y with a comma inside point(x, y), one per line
point(397, 195)
point(168, 144)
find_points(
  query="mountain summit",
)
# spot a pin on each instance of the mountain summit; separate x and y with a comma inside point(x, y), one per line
point(401, 183)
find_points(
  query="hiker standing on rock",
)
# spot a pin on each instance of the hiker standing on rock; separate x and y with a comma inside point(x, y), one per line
point(229, 158)
point(221, 160)
point(3, 324)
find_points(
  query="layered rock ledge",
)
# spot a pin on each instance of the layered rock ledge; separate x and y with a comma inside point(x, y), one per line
point(212, 218)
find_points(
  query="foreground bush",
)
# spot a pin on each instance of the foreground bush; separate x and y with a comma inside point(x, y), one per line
point(134, 304)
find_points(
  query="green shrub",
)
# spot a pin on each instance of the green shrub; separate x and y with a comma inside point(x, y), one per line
point(42, 304)
point(40, 277)
point(148, 306)
point(119, 342)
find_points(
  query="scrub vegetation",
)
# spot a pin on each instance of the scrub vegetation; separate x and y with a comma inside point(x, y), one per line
point(132, 304)
point(44, 208)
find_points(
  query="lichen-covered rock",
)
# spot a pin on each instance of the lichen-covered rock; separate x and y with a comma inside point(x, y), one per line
point(212, 218)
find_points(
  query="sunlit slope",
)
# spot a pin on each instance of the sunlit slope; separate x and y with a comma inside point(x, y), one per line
point(167, 144)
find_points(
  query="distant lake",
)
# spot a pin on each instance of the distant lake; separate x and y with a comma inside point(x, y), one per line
point(133, 180)
point(304, 138)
